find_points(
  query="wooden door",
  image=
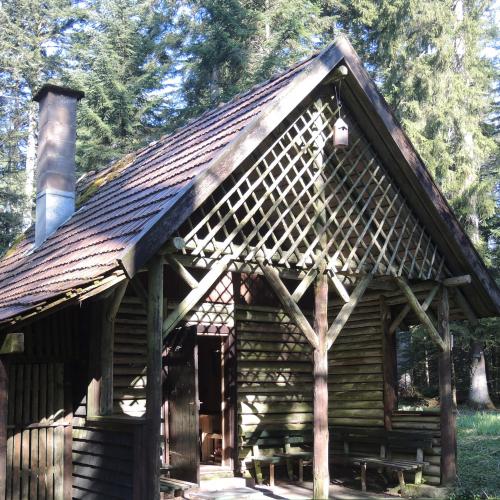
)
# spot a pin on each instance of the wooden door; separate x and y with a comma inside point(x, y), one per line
point(36, 432)
point(183, 406)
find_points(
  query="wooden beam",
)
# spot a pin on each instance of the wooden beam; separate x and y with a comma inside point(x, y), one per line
point(406, 309)
point(448, 429)
point(154, 371)
point(466, 308)
point(418, 310)
point(305, 283)
point(195, 295)
point(321, 475)
point(343, 294)
point(466, 279)
point(4, 395)
point(13, 344)
point(173, 245)
point(181, 271)
point(140, 291)
point(289, 304)
point(389, 365)
point(347, 309)
point(107, 348)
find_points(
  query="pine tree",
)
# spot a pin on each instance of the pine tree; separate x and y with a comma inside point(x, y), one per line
point(30, 52)
point(120, 60)
point(230, 45)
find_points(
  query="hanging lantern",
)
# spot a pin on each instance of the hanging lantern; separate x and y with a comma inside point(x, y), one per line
point(340, 134)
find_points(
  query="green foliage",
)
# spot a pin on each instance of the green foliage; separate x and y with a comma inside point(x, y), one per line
point(119, 59)
point(229, 45)
point(30, 52)
point(478, 456)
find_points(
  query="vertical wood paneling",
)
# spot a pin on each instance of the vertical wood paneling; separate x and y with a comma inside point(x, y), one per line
point(35, 468)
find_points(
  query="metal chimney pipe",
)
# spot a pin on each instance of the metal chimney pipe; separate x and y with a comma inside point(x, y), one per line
point(55, 174)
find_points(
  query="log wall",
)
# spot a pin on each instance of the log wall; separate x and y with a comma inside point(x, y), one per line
point(274, 384)
point(419, 421)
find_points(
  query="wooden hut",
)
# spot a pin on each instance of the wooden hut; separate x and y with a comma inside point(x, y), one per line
point(241, 279)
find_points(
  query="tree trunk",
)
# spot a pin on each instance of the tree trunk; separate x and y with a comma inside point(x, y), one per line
point(479, 396)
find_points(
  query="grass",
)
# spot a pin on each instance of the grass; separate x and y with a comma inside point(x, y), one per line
point(478, 455)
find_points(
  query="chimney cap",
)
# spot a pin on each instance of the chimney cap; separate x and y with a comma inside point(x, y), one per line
point(57, 89)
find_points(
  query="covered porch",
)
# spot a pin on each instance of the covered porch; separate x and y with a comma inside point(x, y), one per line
point(304, 262)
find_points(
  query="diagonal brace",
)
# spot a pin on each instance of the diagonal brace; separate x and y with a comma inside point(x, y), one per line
point(406, 309)
point(347, 309)
point(419, 311)
point(179, 268)
point(195, 295)
point(289, 304)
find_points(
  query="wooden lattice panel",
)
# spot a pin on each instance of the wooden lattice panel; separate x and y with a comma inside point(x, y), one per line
point(298, 202)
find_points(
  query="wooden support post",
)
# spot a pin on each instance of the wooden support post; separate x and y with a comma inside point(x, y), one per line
point(448, 430)
point(154, 370)
point(321, 474)
point(107, 349)
point(363, 476)
point(4, 394)
point(390, 378)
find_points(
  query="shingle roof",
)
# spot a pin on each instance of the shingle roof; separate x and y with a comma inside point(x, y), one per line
point(144, 197)
point(89, 244)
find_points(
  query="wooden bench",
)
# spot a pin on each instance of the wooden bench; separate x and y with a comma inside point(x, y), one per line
point(171, 485)
point(287, 456)
point(290, 456)
point(388, 442)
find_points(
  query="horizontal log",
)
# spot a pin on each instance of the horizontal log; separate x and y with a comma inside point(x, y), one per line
point(259, 356)
point(352, 361)
point(259, 389)
point(351, 378)
point(304, 366)
point(377, 368)
point(271, 338)
point(264, 419)
point(106, 490)
point(466, 279)
point(356, 422)
point(286, 426)
point(356, 396)
point(355, 386)
point(415, 426)
point(364, 352)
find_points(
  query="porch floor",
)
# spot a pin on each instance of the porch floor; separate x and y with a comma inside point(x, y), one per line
point(240, 488)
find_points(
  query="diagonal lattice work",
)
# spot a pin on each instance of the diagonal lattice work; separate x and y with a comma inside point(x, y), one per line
point(299, 202)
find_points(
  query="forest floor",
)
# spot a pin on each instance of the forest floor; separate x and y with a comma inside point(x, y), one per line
point(478, 455)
